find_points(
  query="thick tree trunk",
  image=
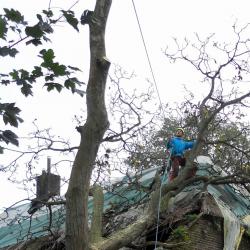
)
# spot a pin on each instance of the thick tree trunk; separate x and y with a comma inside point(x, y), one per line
point(77, 233)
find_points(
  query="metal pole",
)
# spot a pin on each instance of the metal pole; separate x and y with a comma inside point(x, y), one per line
point(48, 165)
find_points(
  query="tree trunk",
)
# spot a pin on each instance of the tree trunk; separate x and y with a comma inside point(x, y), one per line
point(77, 233)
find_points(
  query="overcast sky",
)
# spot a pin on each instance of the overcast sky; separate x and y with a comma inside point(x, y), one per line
point(160, 21)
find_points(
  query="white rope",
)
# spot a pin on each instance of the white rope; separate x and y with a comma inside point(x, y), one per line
point(161, 106)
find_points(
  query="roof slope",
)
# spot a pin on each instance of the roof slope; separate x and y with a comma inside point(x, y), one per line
point(16, 225)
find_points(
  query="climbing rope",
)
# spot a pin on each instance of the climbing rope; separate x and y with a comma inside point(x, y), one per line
point(149, 61)
point(161, 106)
point(159, 203)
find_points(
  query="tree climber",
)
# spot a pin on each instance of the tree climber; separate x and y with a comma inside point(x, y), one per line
point(178, 146)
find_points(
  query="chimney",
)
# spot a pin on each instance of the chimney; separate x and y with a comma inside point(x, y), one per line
point(47, 184)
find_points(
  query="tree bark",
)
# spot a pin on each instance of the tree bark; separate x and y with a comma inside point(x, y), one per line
point(77, 233)
point(96, 221)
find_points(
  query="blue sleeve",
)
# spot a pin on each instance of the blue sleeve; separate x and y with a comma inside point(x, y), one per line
point(189, 144)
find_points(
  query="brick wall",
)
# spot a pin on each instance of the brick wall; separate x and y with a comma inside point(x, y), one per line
point(207, 234)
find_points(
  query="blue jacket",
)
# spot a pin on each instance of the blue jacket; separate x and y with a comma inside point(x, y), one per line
point(178, 146)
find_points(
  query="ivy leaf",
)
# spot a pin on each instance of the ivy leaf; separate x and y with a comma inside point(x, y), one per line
point(14, 16)
point(70, 18)
point(34, 31)
point(10, 137)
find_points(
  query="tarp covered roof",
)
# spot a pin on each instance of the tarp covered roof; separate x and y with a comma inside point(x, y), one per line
point(16, 225)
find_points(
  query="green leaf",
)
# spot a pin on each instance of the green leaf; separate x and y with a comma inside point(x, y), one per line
point(37, 72)
point(1, 150)
point(59, 70)
point(74, 68)
point(3, 28)
point(13, 52)
point(80, 92)
point(34, 31)
point(46, 39)
point(51, 85)
point(10, 113)
point(11, 119)
point(10, 137)
point(14, 16)
point(24, 73)
point(39, 17)
point(70, 84)
point(19, 119)
point(14, 74)
point(35, 41)
point(70, 18)
point(5, 82)
point(5, 51)
point(58, 87)
point(77, 81)
point(50, 77)
point(46, 27)
point(48, 56)
point(48, 13)
point(26, 89)
point(20, 81)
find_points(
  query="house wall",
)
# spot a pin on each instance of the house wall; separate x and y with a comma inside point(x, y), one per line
point(207, 234)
